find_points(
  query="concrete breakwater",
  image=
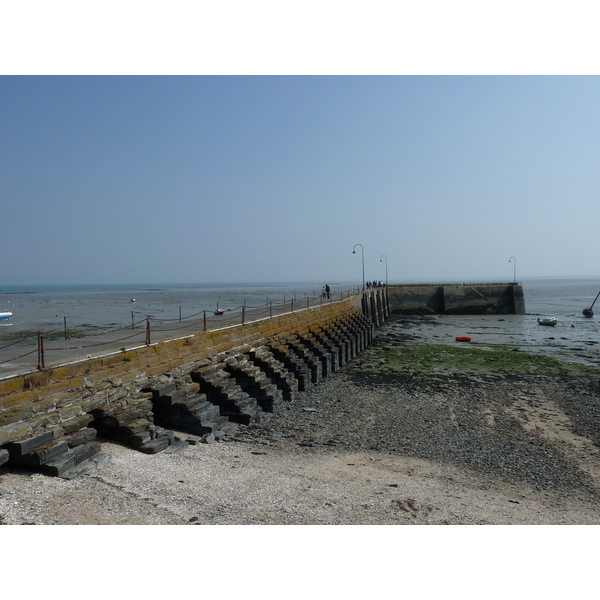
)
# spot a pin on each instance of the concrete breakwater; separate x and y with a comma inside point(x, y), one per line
point(202, 386)
point(457, 299)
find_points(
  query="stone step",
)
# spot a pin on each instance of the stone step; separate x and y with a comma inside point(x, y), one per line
point(176, 446)
point(134, 413)
point(217, 424)
point(206, 410)
point(191, 402)
point(42, 455)
point(163, 389)
point(154, 446)
point(83, 436)
point(87, 466)
point(62, 464)
point(22, 447)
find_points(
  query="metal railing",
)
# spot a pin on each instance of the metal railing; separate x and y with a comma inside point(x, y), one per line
point(33, 351)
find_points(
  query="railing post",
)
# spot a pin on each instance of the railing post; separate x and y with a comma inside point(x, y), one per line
point(132, 323)
point(204, 320)
point(292, 305)
point(41, 363)
point(307, 302)
point(180, 314)
point(243, 314)
point(270, 309)
point(66, 336)
point(147, 331)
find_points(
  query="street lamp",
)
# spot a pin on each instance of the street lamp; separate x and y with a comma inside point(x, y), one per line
point(381, 260)
point(514, 261)
point(363, 260)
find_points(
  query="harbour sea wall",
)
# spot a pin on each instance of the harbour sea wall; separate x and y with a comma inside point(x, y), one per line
point(457, 299)
point(203, 385)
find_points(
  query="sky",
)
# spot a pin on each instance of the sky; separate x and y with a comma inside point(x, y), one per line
point(202, 178)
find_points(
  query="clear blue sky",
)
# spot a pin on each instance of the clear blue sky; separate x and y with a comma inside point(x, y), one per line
point(237, 179)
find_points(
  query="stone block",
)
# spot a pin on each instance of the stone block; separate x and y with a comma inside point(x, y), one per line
point(42, 455)
point(85, 451)
point(176, 446)
point(83, 436)
point(163, 389)
point(155, 446)
point(25, 399)
point(14, 431)
point(59, 465)
point(76, 423)
point(22, 447)
point(87, 466)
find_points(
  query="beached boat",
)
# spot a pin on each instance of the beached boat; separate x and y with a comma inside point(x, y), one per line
point(588, 313)
point(5, 316)
point(548, 321)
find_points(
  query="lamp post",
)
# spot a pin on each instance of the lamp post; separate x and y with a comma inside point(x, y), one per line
point(381, 260)
point(363, 261)
point(514, 261)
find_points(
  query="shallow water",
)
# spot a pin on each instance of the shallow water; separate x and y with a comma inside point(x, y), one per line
point(45, 309)
point(560, 297)
point(87, 308)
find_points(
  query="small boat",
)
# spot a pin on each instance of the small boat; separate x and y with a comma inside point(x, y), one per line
point(588, 313)
point(463, 338)
point(5, 316)
point(219, 311)
point(548, 321)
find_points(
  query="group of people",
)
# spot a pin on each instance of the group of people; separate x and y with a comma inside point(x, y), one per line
point(326, 292)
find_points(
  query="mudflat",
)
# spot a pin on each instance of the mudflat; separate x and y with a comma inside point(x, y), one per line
point(417, 430)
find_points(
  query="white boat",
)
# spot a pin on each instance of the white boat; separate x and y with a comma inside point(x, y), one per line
point(548, 321)
point(5, 316)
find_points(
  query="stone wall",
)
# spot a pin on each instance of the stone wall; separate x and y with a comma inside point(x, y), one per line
point(457, 299)
point(204, 386)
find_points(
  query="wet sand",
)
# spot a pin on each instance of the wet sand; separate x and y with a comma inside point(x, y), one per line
point(573, 339)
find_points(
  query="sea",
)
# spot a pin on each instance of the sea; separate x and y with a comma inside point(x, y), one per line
point(45, 307)
point(40, 307)
point(87, 308)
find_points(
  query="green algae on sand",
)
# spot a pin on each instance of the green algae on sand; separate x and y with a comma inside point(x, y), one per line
point(433, 358)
